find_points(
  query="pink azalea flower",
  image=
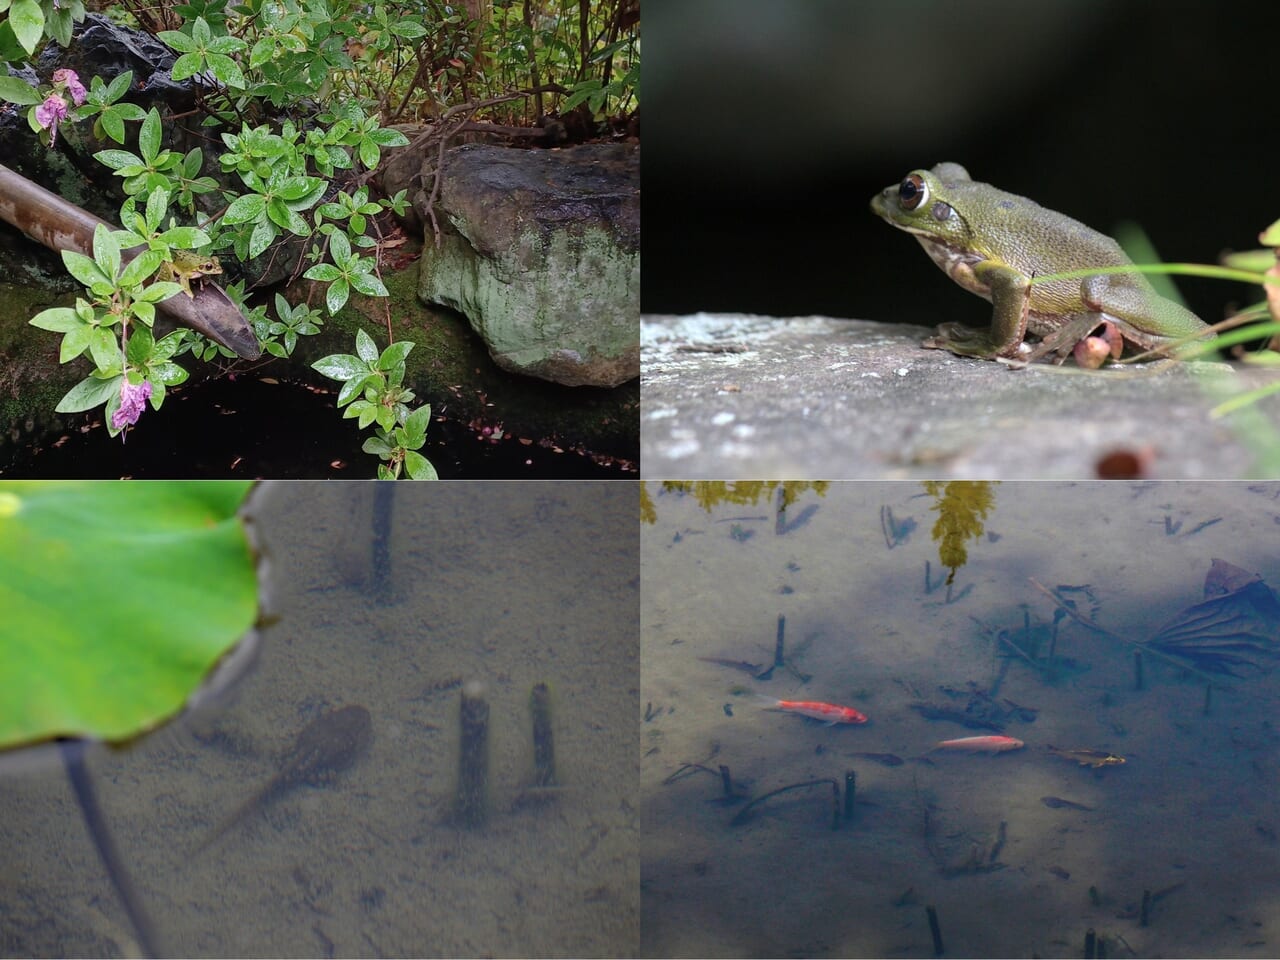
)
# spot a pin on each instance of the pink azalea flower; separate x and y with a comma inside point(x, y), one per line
point(71, 80)
point(132, 400)
point(49, 113)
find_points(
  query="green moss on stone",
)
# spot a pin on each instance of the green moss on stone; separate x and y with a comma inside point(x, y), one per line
point(576, 312)
point(450, 364)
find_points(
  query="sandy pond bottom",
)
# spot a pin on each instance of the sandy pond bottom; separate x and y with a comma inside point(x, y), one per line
point(1191, 816)
point(508, 585)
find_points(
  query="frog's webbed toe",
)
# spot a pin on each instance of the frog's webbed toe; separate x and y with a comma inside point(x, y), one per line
point(968, 342)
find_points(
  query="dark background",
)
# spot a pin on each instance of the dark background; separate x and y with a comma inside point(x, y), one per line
point(770, 124)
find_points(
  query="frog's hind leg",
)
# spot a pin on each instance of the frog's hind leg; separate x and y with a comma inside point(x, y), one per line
point(1062, 341)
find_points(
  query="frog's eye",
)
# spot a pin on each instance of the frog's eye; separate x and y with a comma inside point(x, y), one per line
point(941, 211)
point(913, 192)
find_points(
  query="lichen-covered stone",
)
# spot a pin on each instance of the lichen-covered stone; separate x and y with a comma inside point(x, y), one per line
point(540, 250)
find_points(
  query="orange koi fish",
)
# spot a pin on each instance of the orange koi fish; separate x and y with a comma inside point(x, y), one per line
point(978, 744)
point(829, 713)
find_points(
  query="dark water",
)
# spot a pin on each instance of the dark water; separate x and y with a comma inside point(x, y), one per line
point(249, 428)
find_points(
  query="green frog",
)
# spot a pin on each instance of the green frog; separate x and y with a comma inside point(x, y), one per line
point(187, 265)
point(992, 243)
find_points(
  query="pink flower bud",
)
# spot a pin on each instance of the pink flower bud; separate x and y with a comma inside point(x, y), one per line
point(71, 80)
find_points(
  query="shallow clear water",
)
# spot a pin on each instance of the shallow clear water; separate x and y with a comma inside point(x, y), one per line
point(1191, 817)
point(504, 584)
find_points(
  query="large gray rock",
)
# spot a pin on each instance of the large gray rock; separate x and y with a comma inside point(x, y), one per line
point(540, 250)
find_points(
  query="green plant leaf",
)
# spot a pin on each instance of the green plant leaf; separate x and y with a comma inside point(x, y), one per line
point(369, 285)
point(82, 268)
point(416, 424)
point(118, 159)
point(87, 394)
point(157, 204)
point(144, 310)
point(27, 20)
point(281, 215)
point(245, 208)
point(75, 342)
point(141, 343)
point(116, 662)
point(369, 153)
point(149, 136)
point(377, 446)
point(264, 232)
point(226, 70)
point(155, 292)
point(112, 124)
point(140, 267)
point(177, 40)
point(118, 87)
point(323, 272)
point(186, 238)
point(106, 251)
point(336, 296)
point(168, 374)
point(16, 90)
point(355, 387)
point(340, 366)
point(419, 467)
point(295, 188)
point(394, 354)
point(57, 319)
point(408, 29)
point(366, 349)
point(104, 348)
point(187, 65)
point(226, 45)
point(385, 137)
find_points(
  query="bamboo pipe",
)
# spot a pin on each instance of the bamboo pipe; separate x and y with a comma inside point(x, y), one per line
point(59, 225)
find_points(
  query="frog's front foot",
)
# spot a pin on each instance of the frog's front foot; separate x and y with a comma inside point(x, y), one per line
point(969, 342)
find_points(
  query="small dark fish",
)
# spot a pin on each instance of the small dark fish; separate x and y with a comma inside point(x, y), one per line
point(888, 759)
point(1059, 873)
point(751, 668)
point(1087, 757)
point(1057, 803)
point(728, 709)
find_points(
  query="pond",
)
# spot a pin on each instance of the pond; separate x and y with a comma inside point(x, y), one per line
point(254, 427)
point(507, 586)
point(1019, 853)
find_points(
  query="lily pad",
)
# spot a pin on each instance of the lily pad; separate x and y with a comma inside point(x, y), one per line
point(117, 598)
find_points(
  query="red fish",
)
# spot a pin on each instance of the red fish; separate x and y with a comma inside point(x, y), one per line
point(975, 744)
point(827, 712)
